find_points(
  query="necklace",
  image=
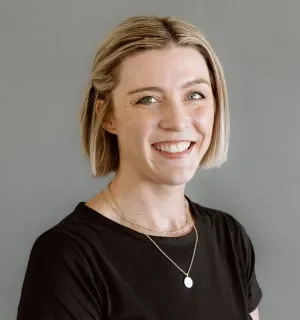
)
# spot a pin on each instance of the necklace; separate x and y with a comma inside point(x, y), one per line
point(188, 282)
point(160, 231)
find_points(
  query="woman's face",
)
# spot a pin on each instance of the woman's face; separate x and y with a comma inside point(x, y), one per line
point(163, 96)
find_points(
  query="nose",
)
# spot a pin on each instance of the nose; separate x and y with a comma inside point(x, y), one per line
point(174, 117)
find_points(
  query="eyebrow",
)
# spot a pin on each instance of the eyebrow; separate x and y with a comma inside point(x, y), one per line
point(187, 84)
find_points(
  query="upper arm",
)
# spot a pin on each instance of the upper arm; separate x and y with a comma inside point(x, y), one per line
point(58, 282)
point(253, 290)
point(246, 255)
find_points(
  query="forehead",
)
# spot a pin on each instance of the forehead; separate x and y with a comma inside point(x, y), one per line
point(168, 68)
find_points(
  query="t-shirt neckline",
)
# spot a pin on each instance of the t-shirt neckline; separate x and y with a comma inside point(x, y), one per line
point(97, 218)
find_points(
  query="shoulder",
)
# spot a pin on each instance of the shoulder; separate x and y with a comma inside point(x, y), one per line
point(235, 248)
point(75, 230)
point(55, 255)
point(226, 229)
point(65, 240)
point(60, 277)
point(54, 247)
point(219, 219)
point(230, 236)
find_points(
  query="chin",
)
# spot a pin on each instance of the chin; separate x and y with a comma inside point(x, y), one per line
point(178, 178)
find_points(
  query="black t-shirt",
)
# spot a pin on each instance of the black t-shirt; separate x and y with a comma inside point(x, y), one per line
point(89, 267)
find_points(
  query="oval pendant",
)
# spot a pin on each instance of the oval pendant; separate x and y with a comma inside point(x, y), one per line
point(188, 282)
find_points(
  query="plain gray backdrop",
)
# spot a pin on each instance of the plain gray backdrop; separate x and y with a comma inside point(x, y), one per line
point(47, 48)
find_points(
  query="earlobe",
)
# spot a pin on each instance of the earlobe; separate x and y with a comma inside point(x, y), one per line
point(109, 126)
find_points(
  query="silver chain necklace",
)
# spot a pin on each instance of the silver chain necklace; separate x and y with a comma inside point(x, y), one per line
point(188, 282)
point(160, 231)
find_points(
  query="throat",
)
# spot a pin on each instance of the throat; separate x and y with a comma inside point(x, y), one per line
point(186, 228)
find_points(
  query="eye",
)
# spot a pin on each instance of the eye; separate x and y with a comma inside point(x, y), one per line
point(146, 100)
point(196, 95)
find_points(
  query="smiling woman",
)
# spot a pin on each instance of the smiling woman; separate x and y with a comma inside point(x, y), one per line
point(156, 110)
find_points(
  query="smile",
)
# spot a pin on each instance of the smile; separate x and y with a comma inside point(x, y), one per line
point(174, 150)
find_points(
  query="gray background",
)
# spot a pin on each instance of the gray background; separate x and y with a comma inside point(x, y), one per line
point(46, 51)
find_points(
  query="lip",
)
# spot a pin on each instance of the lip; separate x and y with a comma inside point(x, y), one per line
point(178, 155)
point(173, 141)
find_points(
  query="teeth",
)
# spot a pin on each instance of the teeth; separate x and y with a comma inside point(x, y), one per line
point(174, 147)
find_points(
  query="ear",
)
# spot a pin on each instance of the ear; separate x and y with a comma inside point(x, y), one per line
point(108, 124)
point(98, 105)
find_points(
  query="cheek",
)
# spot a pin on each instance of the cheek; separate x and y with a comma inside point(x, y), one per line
point(204, 120)
point(134, 129)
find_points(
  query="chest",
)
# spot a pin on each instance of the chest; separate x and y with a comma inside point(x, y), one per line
point(141, 283)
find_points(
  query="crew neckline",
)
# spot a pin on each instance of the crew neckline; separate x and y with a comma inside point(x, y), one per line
point(97, 218)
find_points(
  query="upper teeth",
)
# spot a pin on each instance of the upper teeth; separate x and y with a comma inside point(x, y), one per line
point(173, 147)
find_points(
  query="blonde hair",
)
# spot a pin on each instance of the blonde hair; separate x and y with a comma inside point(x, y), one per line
point(131, 36)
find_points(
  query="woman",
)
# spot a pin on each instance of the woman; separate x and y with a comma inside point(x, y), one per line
point(156, 109)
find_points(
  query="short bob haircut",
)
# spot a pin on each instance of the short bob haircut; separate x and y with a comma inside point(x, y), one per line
point(133, 35)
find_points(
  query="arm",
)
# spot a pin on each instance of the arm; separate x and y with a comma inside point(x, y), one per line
point(253, 288)
point(254, 314)
point(253, 291)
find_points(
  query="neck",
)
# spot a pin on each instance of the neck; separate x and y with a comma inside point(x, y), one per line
point(149, 205)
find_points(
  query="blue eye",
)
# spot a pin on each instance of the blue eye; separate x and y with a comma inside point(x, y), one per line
point(146, 100)
point(197, 95)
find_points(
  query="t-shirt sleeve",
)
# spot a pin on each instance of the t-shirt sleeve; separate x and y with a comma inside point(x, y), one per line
point(253, 290)
point(58, 282)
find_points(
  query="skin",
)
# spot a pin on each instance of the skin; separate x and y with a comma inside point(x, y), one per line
point(148, 187)
point(255, 314)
